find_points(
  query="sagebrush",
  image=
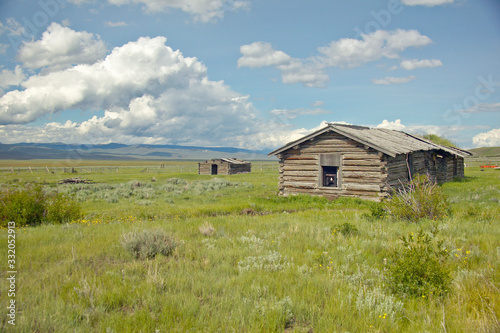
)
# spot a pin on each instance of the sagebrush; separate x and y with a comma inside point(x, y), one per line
point(420, 198)
point(149, 243)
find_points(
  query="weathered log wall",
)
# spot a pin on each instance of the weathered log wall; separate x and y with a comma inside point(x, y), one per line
point(223, 168)
point(460, 167)
point(439, 166)
point(398, 168)
point(239, 168)
point(363, 172)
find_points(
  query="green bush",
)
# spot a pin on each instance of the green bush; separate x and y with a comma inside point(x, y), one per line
point(421, 198)
point(346, 229)
point(32, 206)
point(61, 208)
point(419, 268)
point(377, 212)
point(148, 243)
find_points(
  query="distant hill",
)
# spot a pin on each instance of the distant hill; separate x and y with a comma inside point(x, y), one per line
point(486, 151)
point(116, 151)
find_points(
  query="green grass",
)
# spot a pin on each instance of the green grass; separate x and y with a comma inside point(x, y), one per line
point(439, 140)
point(487, 151)
point(270, 264)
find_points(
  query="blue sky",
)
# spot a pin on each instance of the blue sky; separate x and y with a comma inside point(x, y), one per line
point(246, 73)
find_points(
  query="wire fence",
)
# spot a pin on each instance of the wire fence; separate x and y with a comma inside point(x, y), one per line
point(475, 162)
point(162, 168)
point(191, 168)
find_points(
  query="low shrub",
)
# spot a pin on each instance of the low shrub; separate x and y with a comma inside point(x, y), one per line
point(271, 262)
point(419, 267)
point(376, 302)
point(377, 212)
point(215, 184)
point(32, 206)
point(421, 198)
point(346, 229)
point(277, 311)
point(61, 208)
point(147, 244)
point(207, 229)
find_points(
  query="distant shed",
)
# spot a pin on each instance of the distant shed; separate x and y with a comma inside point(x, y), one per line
point(357, 161)
point(224, 166)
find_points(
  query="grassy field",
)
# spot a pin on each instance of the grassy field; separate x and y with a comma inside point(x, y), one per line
point(246, 260)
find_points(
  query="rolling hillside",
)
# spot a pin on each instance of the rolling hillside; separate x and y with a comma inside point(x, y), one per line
point(486, 151)
point(115, 151)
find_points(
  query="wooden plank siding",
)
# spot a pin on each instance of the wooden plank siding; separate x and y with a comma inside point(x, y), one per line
point(362, 162)
point(223, 168)
point(363, 171)
point(439, 166)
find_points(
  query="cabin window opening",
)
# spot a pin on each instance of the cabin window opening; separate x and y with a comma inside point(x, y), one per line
point(330, 170)
point(330, 176)
point(214, 169)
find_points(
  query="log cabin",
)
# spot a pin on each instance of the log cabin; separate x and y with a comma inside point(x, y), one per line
point(224, 166)
point(357, 161)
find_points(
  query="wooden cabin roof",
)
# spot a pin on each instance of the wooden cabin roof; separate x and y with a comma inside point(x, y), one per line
point(390, 142)
point(228, 160)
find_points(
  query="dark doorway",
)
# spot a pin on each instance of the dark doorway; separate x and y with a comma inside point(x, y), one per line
point(214, 169)
point(330, 176)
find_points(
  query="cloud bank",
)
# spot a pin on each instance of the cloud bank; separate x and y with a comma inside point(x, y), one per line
point(488, 139)
point(141, 92)
point(343, 53)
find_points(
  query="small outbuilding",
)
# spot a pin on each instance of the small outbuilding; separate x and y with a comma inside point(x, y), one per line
point(224, 166)
point(357, 161)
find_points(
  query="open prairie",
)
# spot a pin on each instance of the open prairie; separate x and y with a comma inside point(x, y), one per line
point(242, 259)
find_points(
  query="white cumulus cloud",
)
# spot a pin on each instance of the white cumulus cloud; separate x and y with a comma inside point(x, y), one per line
point(349, 52)
point(394, 125)
point(343, 53)
point(305, 72)
point(144, 92)
point(146, 66)
point(115, 24)
point(455, 133)
point(487, 139)
point(294, 113)
point(393, 80)
point(11, 78)
point(60, 48)
point(201, 10)
point(261, 54)
point(13, 27)
point(415, 63)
